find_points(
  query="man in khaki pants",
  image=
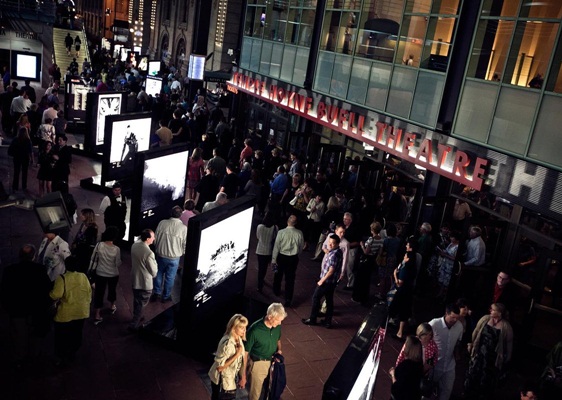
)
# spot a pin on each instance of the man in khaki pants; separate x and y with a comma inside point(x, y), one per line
point(263, 341)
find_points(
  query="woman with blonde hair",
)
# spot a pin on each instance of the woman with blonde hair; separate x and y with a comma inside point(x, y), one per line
point(229, 360)
point(490, 351)
point(407, 375)
point(85, 239)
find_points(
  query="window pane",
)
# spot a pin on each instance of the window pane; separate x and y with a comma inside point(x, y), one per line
point(279, 22)
point(475, 110)
point(412, 36)
point(377, 37)
point(418, 6)
point(401, 91)
point(490, 50)
point(323, 74)
point(293, 25)
point(288, 63)
point(301, 64)
point(513, 118)
point(530, 53)
point(246, 52)
point(554, 83)
point(330, 30)
point(306, 25)
point(427, 98)
point(437, 47)
point(541, 9)
point(450, 7)
point(500, 8)
point(546, 142)
point(340, 76)
point(256, 55)
point(378, 86)
point(276, 58)
point(265, 60)
point(359, 81)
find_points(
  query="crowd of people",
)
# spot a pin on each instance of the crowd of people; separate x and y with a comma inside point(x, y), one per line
point(301, 206)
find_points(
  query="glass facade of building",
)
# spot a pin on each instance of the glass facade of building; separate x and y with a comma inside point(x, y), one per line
point(513, 81)
point(389, 56)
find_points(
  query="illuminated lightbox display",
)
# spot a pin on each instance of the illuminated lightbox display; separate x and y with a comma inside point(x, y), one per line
point(223, 252)
point(154, 67)
point(143, 63)
point(196, 67)
point(26, 66)
point(76, 94)
point(125, 136)
point(108, 104)
point(159, 184)
point(153, 86)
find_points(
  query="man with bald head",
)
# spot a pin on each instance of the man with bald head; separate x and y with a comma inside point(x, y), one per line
point(288, 245)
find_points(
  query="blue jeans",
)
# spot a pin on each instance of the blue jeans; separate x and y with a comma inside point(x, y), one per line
point(167, 268)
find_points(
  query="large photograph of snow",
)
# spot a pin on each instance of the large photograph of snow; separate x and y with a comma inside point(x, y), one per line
point(163, 186)
point(223, 252)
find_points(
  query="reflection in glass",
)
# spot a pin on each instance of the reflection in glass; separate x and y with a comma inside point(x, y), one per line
point(494, 8)
point(513, 118)
point(490, 49)
point(378, 86)
point(530, 53)
point(437, 45)
point(412, 35)
point(450, 7)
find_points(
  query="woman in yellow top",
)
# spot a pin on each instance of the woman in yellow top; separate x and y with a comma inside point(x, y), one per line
point(73, 292)
point(229, 360)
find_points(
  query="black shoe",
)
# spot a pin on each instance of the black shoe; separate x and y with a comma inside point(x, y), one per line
point(166, 300)
point(326, 324)
point(154, 297)
point(348, 288)
point(354, 300)
point(308, 321)
point(287, 304)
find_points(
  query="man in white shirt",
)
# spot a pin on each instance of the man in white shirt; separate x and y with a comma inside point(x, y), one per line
point(475, 248)
point(447, 333)
point(20, 105)
point(176, 85)
point(171, 237)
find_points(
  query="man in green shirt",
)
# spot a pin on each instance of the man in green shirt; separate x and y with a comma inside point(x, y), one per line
point(263, 340)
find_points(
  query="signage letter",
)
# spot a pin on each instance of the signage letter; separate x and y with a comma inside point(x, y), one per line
point(461, 162)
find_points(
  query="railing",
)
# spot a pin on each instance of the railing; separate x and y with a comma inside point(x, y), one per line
point(40, 10)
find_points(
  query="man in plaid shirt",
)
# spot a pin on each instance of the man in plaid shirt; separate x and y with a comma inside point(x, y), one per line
point(325, 287)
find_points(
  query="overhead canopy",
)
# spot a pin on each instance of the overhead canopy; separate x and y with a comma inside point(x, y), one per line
point(217, 76)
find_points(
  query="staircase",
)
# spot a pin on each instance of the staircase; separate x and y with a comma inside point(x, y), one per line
point(62, 59)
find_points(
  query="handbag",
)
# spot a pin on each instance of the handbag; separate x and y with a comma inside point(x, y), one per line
point(427, 385)
point(93, 265)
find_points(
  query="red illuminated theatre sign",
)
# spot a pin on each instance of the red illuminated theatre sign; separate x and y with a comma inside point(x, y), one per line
point(415, 147)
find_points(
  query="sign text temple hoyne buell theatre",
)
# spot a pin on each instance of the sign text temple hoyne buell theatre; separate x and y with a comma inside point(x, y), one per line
point(411, 146)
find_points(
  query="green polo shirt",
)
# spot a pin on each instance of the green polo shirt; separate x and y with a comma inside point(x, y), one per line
point(261, 341)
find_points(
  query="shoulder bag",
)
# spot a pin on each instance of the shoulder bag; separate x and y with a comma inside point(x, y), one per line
point(93, 264)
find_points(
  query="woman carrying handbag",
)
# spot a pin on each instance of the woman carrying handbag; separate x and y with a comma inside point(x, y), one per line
point(229, 360)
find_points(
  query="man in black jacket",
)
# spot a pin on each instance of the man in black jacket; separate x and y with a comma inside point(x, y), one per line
point(24, 295)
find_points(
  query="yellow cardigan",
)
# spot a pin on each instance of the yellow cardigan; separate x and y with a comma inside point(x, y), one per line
point(75, 294)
